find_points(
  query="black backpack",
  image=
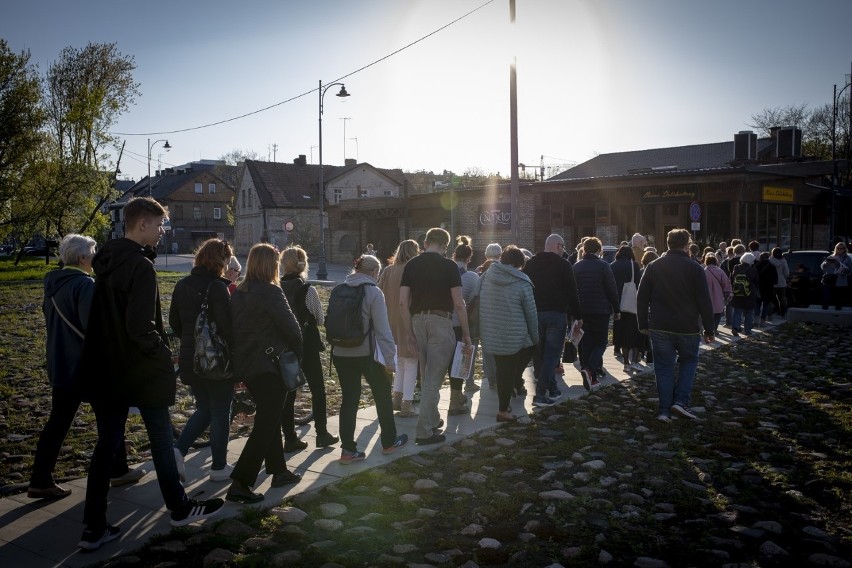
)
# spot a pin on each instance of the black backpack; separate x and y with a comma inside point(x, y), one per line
point(741, 284)
point(344, 326)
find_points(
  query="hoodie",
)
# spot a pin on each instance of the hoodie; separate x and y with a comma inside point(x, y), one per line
point(507, 313)
point(374, 313)
point(126, 356)
point(68, 291)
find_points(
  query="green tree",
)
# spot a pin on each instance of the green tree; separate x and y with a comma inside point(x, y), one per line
point(21, 136)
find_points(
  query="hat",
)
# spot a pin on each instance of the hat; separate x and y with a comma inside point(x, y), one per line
point(747, 258)
point(494, 250)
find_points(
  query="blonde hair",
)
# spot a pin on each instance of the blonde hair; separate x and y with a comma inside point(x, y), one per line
point(294, 260)
point(406, 250)
point(262, 265)
point(367, 264)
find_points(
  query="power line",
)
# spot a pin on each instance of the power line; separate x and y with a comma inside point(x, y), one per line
point(291, 99)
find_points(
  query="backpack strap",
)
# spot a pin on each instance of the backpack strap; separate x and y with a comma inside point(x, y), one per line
point(65, 319)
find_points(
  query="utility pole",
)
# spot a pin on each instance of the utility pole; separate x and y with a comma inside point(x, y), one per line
point(274, 152)
point(513, 137)
point(344, 119)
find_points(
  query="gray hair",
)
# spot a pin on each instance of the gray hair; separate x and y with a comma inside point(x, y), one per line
point(74, 247)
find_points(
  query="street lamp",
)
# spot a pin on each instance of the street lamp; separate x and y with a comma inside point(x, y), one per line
point(831, 221)
point(150, 147)
point(322, 274)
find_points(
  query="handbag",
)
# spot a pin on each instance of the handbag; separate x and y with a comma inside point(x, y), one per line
point(569, 352)
point(288, 367)
point(628, 294)
point(212, 358)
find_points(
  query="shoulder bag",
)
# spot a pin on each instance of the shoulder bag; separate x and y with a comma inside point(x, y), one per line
point(212, 359)
point(289, 369)
point(628, 294)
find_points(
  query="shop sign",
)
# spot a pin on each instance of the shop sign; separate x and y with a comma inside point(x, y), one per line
point(497, 216)
point(782, 194)
point(665, 195)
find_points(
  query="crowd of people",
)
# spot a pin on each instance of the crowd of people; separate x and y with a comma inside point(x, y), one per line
point(107, 345)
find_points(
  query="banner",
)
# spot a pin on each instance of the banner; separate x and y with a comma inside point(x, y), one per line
point(497, 216)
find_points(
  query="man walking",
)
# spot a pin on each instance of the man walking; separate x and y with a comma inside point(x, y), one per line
point(429, 292)
point(674, 289)
point(127, 362)
point(555, 292)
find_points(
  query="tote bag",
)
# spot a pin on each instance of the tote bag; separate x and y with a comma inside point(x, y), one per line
point(628, 294)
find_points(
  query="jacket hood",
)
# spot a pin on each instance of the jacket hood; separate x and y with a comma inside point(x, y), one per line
point(56, 279)
point(356, 279)
point(506, 275)
point(117, 252)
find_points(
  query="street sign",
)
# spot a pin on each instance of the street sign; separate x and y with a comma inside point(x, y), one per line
point(696, 226)
point(289, 226)
point(695, 211)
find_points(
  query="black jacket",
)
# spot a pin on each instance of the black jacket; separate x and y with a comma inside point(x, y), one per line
point(554, 286)
point(262, 319)
point(674, 290)
point(621, 273)
point(596, 285)
point(72, 290)
point(186, 305)
point(126, 356)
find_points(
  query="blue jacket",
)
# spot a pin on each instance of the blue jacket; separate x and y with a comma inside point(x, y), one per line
point(72, 291)
point(673, 296)
point(508, 320)
point(596, 285)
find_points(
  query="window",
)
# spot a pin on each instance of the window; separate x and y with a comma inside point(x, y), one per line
point(671, 210)
point(388, 193)
point(362, 192)
point(198, 188)
point(196, 212)
point(217, 213)
point(338, 194)
point(211, 188)
point(244, 199)
point(251, 200)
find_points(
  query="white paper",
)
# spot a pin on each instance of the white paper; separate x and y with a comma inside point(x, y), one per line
point(378, 357)
point(463, 363)
point(576, 334)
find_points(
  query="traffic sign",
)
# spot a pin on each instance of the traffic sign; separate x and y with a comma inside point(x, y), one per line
point(695, 211)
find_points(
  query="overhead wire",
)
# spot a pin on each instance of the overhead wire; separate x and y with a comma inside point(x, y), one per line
point(291, 99)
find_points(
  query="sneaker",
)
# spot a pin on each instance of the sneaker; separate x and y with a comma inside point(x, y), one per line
point(595, 384)
point(181, 466)
point(542, 402)
point(400, 441)
point(92, 539)
point(684, 411)
point(348, 457)
point(664, 418)
point(587, 379)
point(325, 439)
point(286, 477)
point(554, 395)
point(294, 445)
point(223, 474)
point(132, 476)
point(735, 332)
point(53, 492)
point(433, 439)
point(193, 511)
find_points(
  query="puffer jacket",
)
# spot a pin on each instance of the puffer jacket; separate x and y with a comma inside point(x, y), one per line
point(373, 312)
point(261, 318)
point(596, 285)
point(508, 321)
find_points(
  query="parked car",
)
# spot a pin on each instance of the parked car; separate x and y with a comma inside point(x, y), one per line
point(608, 253)
point(38, 251)
point(804, 282)
point(6, 249)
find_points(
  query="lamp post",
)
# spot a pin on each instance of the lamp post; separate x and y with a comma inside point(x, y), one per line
point(831, 221)
point(150, 147)
point(322, 274)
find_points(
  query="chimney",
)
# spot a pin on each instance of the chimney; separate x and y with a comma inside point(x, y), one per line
point(301, 160)
point(745, 145)
point(350, 162)
point(788, 143)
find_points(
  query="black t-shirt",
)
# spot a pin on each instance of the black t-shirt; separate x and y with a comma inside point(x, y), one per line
point(431, 277)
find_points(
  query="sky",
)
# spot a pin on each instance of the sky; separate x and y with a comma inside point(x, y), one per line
point(593, 76)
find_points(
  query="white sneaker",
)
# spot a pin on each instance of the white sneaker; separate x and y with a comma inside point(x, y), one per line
point(664, 418)
point(684, 411)
point(223, 474)
point(181, 466)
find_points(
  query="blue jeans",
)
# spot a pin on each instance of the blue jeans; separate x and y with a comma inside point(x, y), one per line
point(110, 419)
point(349, 372)
point(212, 408)
point(593, 344)
point(738, 316)
point(436, 343)
point(670, 350)
point(551, 341)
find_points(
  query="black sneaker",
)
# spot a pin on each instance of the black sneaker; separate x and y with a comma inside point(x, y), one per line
point(193, 511)
point(542, 402)
point(296, 445)
point(92, 539)
point(587, 379)
point(325, 439)
point(433, 439)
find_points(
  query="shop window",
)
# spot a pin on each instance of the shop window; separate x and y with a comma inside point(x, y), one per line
point(671, 209)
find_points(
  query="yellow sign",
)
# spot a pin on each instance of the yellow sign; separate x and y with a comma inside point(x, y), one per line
point(771, 193)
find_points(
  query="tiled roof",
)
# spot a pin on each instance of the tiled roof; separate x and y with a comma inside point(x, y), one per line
point(162, 186)
point(658, 160)
point(295, 185)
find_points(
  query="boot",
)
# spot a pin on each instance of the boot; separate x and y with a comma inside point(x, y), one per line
point(397, 401)
point(457, 403)
point(407, 410)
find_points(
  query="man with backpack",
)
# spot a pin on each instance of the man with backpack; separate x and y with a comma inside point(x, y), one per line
point(744, 283)
point(429, 293)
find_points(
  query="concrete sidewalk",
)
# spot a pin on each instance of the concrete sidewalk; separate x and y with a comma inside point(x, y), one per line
point(41, 534)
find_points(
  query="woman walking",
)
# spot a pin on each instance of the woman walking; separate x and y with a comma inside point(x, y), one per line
point(352, 363)
point(305, 304)
point(263, 324)
point(625, 331)
point(405, 376)
point(205, 284)
point(720, 288)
